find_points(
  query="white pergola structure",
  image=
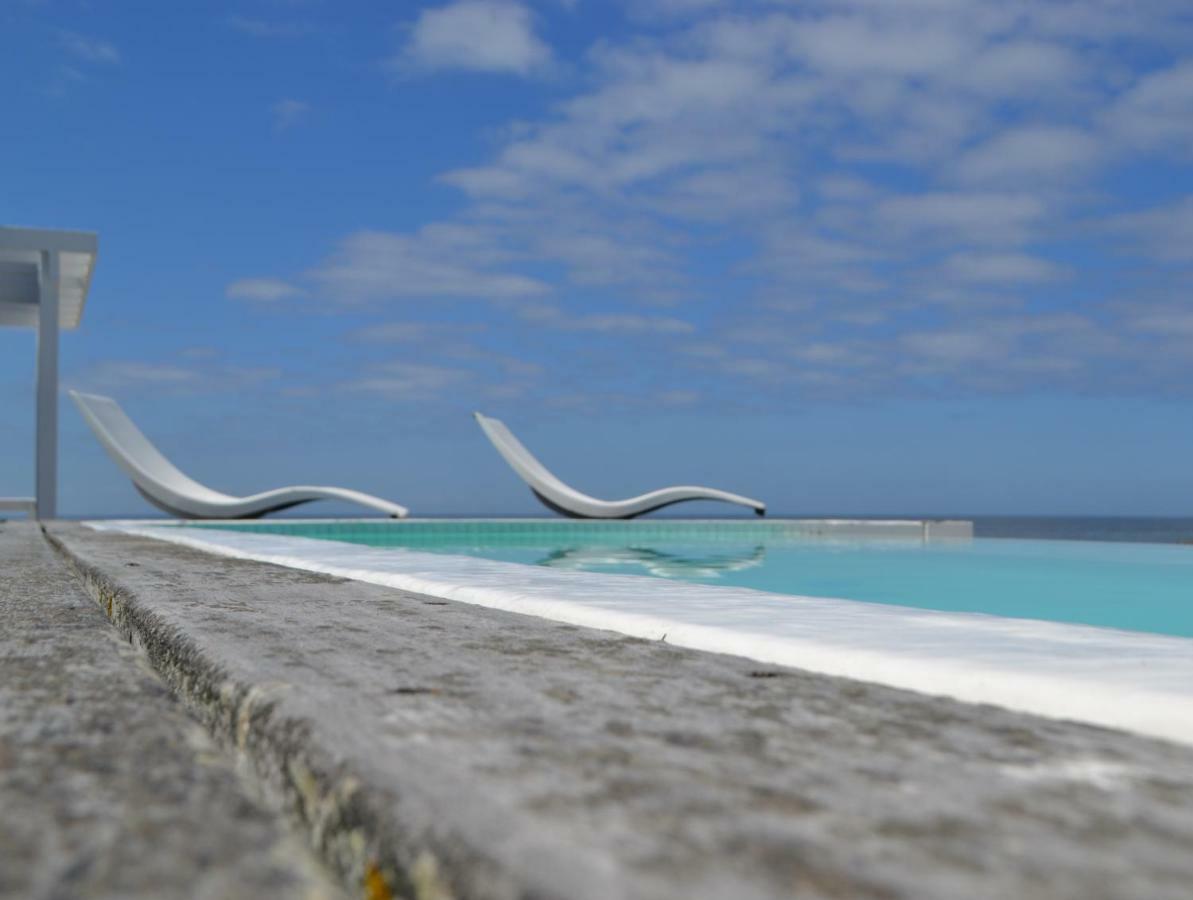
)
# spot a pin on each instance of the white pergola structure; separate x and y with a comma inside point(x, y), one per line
point(44, 279)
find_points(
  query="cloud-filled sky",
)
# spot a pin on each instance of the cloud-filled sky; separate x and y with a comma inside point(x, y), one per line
point(851, 257)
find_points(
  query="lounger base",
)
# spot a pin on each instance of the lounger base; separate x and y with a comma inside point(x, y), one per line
point(255, 514)
point(572, 514)
point(182, 514)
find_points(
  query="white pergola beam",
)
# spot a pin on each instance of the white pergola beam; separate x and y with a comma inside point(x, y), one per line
point(46, 239)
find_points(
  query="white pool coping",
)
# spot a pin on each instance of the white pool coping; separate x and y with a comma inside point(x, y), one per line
point(1118, 679)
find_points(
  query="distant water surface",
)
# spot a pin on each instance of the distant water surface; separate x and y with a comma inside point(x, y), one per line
point(1134, 529)
point(1087, 528)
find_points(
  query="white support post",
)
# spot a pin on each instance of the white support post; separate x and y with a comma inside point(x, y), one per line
point(47, 385)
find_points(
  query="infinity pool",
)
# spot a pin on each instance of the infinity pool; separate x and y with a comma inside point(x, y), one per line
point(1138, 587)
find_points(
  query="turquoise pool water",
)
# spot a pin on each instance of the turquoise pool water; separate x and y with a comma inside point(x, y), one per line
point(1135, 586)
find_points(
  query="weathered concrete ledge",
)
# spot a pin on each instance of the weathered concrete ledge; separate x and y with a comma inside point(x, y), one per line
point(433, 749)
point(108, 789)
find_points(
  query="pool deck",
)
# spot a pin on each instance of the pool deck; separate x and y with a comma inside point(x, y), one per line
point(1130, 680)
point(433, 749)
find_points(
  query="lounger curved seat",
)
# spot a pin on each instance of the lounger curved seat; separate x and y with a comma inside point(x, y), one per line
point(556, 495)
point(165, 487)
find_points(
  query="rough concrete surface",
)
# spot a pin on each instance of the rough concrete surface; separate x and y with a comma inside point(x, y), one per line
point(435, 749)
point(108, 789)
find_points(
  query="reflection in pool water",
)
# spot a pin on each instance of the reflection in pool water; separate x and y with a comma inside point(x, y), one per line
point(654, 562)
point(1143, 587)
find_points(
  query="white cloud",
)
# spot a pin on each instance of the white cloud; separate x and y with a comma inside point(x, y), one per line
point(677, 398)
point(705, 350)
point(724, 122)
point(480, 35)
point(407, 381)
point(1031, 153)
point(840, 354)
point(654, 116)
point(210, 377)
point(288, 113)
point(1095, 21)
point(728, 193)
point(1158, 111)
point(754, 368)
point(664, 8)
point(983, 216)
point(396, 332)
point(1001, 267)
point(1021, 66)
point(1006, 352)
point(602, 257)
point(956, 348)
point(264, 290)
point(424, 333)
point(794, 255)
point(119, 374)
point(1163, 233)
point(1170, 322)
point(855, 44)
point(846, 188)
point(437, 261)
point(509, 366)
point(90, 49)
point(840, 189)
point(1010, 352)
point(442, 359)
point(610, 323)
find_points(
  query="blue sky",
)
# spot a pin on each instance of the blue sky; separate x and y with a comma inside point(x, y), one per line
point(850, 257)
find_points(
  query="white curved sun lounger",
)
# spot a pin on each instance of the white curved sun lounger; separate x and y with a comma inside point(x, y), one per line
point(556, 495)
point(165, 487)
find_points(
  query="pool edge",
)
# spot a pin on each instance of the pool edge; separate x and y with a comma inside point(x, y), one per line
point(1133, 681)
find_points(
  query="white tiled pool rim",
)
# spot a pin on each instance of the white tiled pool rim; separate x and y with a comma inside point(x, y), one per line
point(1120, 679)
